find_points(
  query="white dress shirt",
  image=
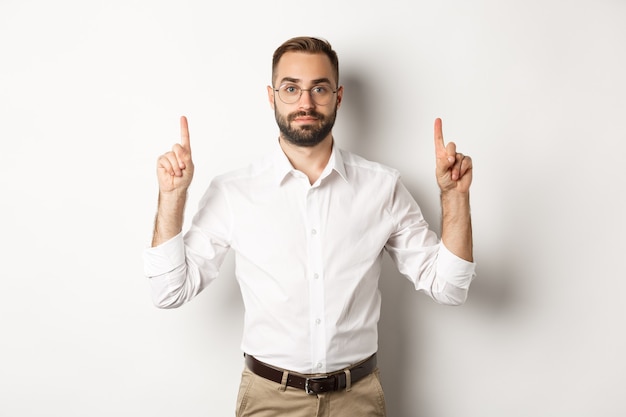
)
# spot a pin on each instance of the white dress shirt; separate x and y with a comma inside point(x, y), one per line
point(308, 257)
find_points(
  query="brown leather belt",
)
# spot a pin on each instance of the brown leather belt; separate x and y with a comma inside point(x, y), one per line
point(314, 384)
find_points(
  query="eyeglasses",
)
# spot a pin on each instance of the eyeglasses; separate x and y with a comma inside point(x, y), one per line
point(320, 94)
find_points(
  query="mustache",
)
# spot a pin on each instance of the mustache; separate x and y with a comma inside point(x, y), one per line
point(311, 113)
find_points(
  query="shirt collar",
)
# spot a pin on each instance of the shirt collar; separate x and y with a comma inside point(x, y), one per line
point(282, 166)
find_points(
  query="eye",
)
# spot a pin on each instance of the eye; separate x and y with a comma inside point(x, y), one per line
point(321, 90)
point(290, 89)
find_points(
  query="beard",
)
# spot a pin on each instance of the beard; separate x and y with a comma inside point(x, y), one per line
point(307, 135)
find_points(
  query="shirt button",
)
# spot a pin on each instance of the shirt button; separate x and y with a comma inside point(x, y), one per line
point(319, 365)
point(316, 276)
point(318, 321)
point(313, 232)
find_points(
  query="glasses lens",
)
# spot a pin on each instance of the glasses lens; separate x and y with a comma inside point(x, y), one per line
point(289, 93)
point(320, 94)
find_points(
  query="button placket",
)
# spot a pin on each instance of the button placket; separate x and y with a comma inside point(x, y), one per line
point(316, 284)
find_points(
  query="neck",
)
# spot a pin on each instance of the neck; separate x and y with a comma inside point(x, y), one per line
point(311, 160)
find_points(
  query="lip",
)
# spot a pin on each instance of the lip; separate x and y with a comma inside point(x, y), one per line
point(305, 119)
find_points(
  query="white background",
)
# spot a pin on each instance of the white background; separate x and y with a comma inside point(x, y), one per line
point(534, 91)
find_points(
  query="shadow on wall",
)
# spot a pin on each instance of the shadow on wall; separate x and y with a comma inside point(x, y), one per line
point(403, 338)
point(396, 325)
point(494, 289)
point(402, 328)
point(403, 309)
point(357, 115)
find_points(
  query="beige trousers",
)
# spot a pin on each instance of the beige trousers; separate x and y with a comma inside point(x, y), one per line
point(260, 397)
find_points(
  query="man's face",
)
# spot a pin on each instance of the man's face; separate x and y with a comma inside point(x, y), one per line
point(305, 122)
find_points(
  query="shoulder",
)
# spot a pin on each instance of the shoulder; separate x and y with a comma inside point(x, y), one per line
point(358, 165)
point(248, 173)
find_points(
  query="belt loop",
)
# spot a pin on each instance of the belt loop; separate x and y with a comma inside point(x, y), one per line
point(348, 380)
point(283, 382)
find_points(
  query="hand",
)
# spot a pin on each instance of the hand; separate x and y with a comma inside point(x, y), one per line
point(454, 170)
point(175, 168)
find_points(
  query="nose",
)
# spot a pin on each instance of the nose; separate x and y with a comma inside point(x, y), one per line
point(306, 100)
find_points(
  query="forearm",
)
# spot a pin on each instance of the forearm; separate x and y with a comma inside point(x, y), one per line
point(170, 216)
point(456, 227)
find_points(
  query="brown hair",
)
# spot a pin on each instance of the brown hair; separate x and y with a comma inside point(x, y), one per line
point(308, 45)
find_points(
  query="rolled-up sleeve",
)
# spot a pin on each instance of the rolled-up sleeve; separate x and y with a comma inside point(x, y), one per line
point(453, 278)
point(165, 258)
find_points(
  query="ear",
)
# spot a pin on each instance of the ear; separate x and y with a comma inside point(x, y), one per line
point(339, 96)
point(270, 96)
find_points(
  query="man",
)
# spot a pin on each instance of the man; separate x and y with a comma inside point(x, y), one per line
point(308, 225)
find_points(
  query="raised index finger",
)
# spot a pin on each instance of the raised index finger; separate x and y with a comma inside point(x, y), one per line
point(184, 133)
point(439, 145)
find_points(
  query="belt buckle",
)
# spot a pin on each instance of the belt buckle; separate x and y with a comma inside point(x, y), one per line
point(307, 388)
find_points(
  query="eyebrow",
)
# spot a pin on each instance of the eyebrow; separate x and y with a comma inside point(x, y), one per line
point(297, 80)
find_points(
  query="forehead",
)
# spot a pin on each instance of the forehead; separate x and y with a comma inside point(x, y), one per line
point(304, 67)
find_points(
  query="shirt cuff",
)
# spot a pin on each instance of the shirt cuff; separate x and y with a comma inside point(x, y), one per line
point(456, 271)
point(165, 257)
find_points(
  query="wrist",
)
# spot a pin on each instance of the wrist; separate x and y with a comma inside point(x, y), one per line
point(173, 196)
point(454, 196)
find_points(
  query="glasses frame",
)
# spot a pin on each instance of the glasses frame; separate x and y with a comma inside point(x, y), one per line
point(277, 90)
